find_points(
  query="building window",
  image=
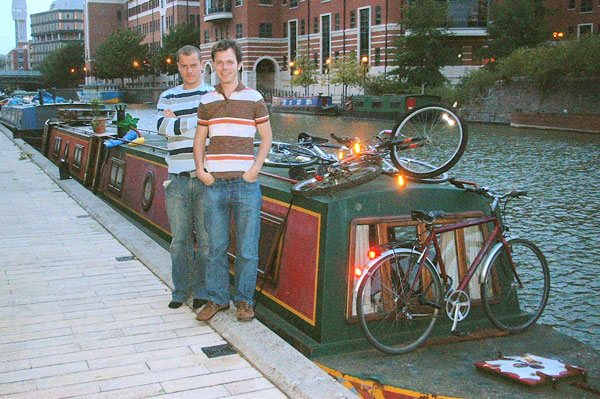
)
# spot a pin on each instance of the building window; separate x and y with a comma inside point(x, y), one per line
point(238, 31)
point(265, 30)
point(377, 15)
point(337, 21)
point(206, 36)
point(239, 3)
point(66, 153)
point(265, 2)
point(586, 6)
point(316, 25)
point(293, 3)
point(365, 31)
point(352, 19)
point(316, 58)
point(584, 29)
point(377, 56)
point(293, 40)
point(571, 4)
point(325, 38)
point(284, 29)
point(302, 30)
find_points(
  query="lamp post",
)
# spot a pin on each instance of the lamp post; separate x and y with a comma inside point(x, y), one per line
point(328, 62)
point(364, 61)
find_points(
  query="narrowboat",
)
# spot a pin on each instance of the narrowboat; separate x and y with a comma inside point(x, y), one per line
point(312, 252)
point(109, 93)
point(387, 106)
point(315, 105)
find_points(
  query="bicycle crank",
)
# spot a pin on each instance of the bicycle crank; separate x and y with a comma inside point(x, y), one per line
point(458, 306)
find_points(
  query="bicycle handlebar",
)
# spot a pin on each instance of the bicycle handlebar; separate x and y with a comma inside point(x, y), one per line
point(463, 184)
point(344, 140)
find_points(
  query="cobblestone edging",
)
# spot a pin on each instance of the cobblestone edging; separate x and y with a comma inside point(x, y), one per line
point(520, 95)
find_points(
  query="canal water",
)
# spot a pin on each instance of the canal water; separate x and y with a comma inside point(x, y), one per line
point(559, 170)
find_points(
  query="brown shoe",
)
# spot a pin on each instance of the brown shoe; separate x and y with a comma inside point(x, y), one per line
point(209, 310)
point(245, 311)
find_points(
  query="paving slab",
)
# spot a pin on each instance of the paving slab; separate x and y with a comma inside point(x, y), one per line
point(77, 322)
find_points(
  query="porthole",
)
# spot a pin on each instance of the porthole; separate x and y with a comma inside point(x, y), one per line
point(148, 190)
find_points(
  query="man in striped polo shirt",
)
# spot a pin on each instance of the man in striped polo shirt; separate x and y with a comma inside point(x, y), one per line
point(177, 120)
point(231, 115)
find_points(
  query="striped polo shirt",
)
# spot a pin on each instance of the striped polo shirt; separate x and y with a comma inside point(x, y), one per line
point(180, 131)
point(231, 126)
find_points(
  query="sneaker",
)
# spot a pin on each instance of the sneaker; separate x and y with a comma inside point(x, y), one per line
point(209, 310)
point(175, 304)
point(245, 311)
point(198, 303)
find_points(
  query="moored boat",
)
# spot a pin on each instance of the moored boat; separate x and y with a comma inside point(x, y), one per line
point(106, 92)
point(316, 105)
point(309, 260)
point(387, 106)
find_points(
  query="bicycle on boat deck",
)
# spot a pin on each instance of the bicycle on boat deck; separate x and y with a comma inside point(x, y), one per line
point(423, 145)
point(402, 293)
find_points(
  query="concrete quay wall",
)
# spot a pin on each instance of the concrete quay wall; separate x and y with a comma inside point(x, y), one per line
point(521, 96)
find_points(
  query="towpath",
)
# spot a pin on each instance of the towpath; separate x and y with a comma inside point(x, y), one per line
point(83, 307)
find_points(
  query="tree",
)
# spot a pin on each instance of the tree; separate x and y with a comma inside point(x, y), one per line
point(121, 56)
point(347, 72)
point(180, 35)
point(516, 24)
point(64, 66)
point(423, 50)
point(305, 72)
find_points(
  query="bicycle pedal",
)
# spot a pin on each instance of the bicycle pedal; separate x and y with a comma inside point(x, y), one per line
point(458, 333)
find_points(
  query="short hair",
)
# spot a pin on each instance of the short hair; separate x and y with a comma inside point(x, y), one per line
point(224, 45)
point(189, 50)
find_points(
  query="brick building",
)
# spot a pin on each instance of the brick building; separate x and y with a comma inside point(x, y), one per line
point(53, 29)
point(274, 32)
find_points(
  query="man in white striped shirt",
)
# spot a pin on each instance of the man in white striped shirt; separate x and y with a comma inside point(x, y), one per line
point(177, 120)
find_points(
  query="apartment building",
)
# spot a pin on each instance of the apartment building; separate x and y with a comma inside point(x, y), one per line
point(53, 29)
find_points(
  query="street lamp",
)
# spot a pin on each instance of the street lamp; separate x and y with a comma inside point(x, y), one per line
point(364, 60)
point(328, 62)
point(291, 64)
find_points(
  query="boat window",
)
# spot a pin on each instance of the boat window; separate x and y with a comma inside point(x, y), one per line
point(376, 103)
point(77, 156)
point(396, 104)
point(459, 248)
point(270, 247)
point(148, 190)
point(57, 145)
point(66, 153)
point(358, 103)
point(117, 174)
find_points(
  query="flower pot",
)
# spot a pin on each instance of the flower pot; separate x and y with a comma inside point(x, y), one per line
point(98, 125)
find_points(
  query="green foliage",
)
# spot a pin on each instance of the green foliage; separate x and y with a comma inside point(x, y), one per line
point(516, 24)
point(381, 84)
point(129, 122)
point(180, 35)
point(544, 65)
point(115, 56)
point(307, 72)
point(422, 51)
point(56, 68)
point(347, 70)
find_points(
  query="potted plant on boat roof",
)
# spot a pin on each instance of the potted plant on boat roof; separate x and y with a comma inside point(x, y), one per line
point(98, 119)
point(128, 130)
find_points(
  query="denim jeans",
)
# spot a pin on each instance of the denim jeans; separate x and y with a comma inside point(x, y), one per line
point(184, 198)
point(224, 199)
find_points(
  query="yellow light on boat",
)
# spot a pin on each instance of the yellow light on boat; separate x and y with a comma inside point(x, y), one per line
point(401, 181)
point(356, 148)
point(358, 271)
point(340, 155)
point(448, 120)
point(372, 254)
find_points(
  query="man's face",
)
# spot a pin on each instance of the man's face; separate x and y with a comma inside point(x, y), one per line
point(226, 66)
point(189, 69)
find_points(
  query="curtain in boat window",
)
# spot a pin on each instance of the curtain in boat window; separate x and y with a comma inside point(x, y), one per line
point(361, 258)
point(473, 243)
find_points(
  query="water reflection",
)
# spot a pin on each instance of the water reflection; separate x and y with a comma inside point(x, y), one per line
point(560, 172)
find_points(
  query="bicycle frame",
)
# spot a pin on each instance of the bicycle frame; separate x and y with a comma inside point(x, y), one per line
point(432, 239)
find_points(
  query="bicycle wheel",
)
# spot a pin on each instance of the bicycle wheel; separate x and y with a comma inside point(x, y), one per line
point(397, 303)
point(443, 138)
point(339, 179)
point(512, 304)
point(286, 155)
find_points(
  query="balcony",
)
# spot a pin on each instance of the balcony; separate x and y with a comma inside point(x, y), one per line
point(218, 10)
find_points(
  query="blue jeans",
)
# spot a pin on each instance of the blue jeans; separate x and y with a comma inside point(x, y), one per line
point(184, 197)
point(224, 199)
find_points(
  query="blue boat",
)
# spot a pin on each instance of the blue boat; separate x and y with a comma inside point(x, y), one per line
point(109, 93)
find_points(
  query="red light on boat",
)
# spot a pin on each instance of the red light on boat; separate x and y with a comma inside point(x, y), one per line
point(401, 181)
point(357, 271)
point(372, 254)
point(319, 178)
point(356, 148)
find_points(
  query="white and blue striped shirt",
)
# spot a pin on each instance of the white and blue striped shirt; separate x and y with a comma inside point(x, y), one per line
point(180, 131)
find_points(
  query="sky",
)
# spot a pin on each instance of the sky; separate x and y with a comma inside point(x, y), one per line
point(7, 34)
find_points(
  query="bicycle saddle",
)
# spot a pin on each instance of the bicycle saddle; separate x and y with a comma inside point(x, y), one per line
point(304, 136)
point(426, 216)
